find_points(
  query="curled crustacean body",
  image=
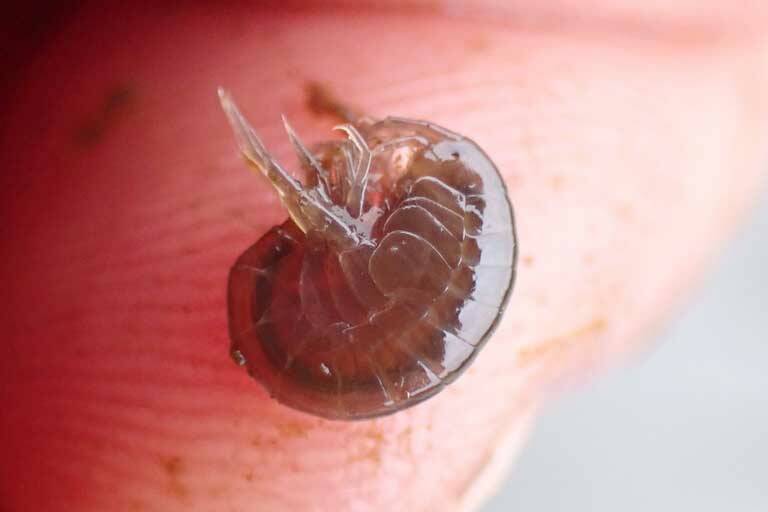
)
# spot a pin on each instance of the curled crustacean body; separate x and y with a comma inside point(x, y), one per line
point(391, 273)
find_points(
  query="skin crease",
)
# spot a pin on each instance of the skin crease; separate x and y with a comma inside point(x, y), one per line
point(124, 203)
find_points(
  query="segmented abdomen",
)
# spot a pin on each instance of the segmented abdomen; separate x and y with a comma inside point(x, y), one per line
point(376, 328)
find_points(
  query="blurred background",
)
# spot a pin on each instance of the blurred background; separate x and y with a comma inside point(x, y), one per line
point(684, 428)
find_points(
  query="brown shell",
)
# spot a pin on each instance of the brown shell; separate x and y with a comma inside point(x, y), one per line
point(383, 310)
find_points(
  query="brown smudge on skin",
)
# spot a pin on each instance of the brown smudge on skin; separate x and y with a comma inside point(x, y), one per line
point(258, 442)
point(559, 344)
point(557, 182)
point(117, 101)
point(293, 430)
point(321, 102)
point(174, 467)
point(370, 450)
point(527, 260)
point(404, 441)
point(248, 475)
point(371, 454)
point(375, 434)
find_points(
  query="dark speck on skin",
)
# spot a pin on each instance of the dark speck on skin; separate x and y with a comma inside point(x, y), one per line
point(117, 100)
point(321, 101)
point(293, 430)
point(174, 467)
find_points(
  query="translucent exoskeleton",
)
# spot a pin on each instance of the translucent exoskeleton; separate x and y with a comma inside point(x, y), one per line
point(392, 271)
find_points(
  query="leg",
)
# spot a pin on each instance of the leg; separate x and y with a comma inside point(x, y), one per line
point(356, 195)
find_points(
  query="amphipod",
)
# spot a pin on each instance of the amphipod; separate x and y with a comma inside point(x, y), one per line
point(391, 273)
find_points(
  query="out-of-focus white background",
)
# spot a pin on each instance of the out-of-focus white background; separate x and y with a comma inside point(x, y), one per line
point(685, 428)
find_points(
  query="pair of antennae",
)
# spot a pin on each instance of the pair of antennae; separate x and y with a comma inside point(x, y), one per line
point(257, 155)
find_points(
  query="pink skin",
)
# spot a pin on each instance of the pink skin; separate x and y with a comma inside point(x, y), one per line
point(627, 159)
